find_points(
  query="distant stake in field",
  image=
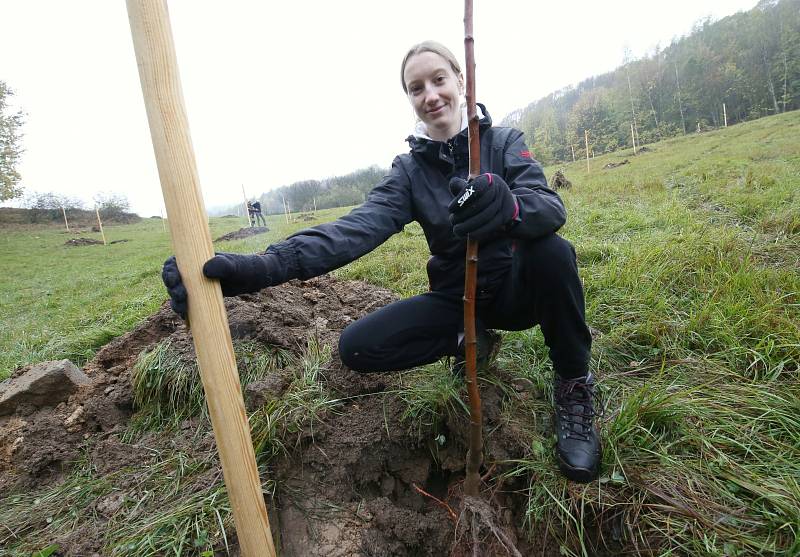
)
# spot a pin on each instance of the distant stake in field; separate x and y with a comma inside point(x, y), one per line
point(633, 139)
point(100, 225)
point(191, 237)
point(244, 195)
point(66, 223)
point(586, 139)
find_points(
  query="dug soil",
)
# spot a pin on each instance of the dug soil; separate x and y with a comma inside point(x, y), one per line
point(362, 482)
point(243, 233)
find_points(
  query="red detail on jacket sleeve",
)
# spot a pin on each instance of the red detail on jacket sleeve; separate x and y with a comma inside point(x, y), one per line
point(525, 154)
point(489, 175)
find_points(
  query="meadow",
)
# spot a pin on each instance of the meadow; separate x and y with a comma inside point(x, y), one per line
point(690, 258)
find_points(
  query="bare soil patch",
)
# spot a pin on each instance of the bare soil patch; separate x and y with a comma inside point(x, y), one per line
point(361, 483)
point(242, 233)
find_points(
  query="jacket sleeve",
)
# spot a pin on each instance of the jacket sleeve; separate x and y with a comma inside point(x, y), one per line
point(540, 209)
point(314, 251)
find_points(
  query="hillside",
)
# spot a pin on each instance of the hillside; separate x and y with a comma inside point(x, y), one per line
point(742, 67)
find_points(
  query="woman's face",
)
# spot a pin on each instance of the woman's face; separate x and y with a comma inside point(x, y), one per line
point(433, 90)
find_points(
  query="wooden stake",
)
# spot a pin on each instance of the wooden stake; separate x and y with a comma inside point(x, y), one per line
point(315, 206)
point(472, 481)
point(725, 114)
point(188, 221)
point(571, 146)
point(163, 224)
point(100, 224)
point(244, 195)
point(633, 138)
point(66, 223)
point(285, 209)
point(586, 139)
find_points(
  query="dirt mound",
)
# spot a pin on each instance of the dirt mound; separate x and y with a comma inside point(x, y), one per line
point(82, 242)
point(616, 164)
point(559, 181)
point(360, 482)
point(242, 233)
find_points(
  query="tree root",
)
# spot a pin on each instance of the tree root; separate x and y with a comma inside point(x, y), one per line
point(478, 529)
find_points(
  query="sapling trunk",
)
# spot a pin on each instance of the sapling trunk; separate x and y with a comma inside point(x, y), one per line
point(475, 451)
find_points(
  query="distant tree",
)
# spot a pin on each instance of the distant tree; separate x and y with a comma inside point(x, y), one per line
point(10, 148)
point(111, 204)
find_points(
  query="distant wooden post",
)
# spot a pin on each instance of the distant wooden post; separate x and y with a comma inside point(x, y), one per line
point(66, 223)
point(725, 114)
point(244, 195)
point(285, 209)
point(100, 224)
point(586, 139)
point(191, 237)
point(315, 205)
point(633, 138)
point(163, 224)
point(571, 146)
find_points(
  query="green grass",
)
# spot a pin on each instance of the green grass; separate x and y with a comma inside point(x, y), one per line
point(690, 257)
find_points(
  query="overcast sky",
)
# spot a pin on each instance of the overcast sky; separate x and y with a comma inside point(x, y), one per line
point(278, 92)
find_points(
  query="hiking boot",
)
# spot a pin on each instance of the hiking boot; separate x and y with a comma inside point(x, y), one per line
point(578, 445)
point(488, 346)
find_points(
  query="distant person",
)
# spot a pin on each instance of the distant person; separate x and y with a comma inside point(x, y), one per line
point(527, 274)
point(257, 213)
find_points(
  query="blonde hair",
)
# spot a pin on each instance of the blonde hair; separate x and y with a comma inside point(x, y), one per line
point(428, 46)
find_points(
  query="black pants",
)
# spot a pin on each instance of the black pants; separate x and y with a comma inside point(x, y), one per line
point(542, 288)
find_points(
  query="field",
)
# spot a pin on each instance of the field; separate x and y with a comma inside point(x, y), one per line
point(690, 257)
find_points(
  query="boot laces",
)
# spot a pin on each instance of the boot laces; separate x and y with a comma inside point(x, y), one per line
point(576, 400)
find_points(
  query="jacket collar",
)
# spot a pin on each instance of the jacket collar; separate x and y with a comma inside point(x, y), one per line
point(436, 151)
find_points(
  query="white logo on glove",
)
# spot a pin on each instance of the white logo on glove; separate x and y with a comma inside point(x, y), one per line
point(467, 194)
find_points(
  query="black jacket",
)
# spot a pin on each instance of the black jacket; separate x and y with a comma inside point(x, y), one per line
point(416, 189)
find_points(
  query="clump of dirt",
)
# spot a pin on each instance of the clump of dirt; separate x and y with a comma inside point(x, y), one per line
point(616, 164)
point(242, 233)
point(559, 181)
point(82, 242)
point(90, 242)
point(361, 483)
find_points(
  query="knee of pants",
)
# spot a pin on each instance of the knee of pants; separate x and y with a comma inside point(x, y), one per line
point(350, 347)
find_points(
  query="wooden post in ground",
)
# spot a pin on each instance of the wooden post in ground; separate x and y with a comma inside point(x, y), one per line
point(725, 114)
point(633, 138)
point(163, 224)
point(315, 206)
point(244, 195)
point(100, 224)
point(571, 146)
point(66, 223)
point(586, 139)
point(188, 222)
point(285, 209)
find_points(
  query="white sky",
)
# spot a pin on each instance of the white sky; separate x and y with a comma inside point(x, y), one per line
point(284, 91)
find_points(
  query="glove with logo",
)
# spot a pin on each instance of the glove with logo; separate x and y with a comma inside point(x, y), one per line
point(482, 206)
point(237, 274)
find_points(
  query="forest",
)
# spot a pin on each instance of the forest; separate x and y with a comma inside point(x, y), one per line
point(739, 68)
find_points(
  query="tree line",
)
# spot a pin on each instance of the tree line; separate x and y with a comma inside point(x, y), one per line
point(305, 195)
point(741, 67)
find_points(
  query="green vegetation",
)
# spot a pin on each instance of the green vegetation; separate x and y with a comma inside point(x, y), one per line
point(690, 256)
point(742, 67)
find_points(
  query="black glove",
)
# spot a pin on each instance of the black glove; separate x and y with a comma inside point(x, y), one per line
point(237, 274)
point(482, 206)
